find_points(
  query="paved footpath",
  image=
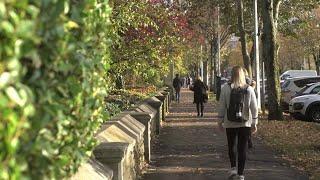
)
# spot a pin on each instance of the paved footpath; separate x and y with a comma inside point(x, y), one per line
point(192, 148)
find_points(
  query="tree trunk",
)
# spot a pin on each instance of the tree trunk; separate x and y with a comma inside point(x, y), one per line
point(270, 50)
point(243, 38)
point(215, 63)
point(252, 57)
point(309, 63)
point(212, 73)
point(316, 62)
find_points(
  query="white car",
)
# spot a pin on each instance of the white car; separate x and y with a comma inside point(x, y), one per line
point(293, 85)
point(306, 107)
point(297, 73)
point(312, 88)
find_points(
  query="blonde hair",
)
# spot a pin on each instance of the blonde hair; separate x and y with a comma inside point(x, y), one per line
point(198, 78)
point(238, 78)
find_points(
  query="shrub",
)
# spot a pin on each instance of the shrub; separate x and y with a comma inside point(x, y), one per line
point(119, 100)
point(54, 59)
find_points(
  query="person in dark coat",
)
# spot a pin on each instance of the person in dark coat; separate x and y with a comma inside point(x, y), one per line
point(200, 95)
point(218, 88)
point(177, 84)
point(188, 81)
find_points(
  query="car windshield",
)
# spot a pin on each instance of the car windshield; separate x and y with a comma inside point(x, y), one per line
point(304, 81)
point(303, 89)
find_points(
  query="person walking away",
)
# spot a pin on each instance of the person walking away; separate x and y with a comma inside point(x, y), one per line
point(200, 95)
point(218, 89)
point(188, 81)
point(238, 112)
point(177, 84)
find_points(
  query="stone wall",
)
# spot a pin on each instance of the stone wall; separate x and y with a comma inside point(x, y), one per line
point(94, 170)
point(125, 141)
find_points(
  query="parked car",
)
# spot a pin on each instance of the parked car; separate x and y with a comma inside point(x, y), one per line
point(306, 107)
point(293, 85)
point(312, 88)
point(297, 73)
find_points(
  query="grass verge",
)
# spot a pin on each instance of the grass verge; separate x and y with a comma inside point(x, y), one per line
point(297, 141)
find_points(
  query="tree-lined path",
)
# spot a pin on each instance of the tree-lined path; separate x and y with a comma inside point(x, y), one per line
point(193, 148)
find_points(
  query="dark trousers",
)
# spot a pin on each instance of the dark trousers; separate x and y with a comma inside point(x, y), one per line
point(250, 143)
point(241, 134)
point(178, 95)
point(200, 108)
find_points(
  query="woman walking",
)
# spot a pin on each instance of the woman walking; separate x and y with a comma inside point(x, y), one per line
point(238, 113)
point(200, 95)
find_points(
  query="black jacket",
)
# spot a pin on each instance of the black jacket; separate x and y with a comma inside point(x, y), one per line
point(199, 89)
point(177, 84)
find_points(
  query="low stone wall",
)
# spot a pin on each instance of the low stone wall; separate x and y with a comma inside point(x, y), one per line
point(93, 170)
point(155, 121)
point(117, 150)
point(125, 141)
point(136, 130)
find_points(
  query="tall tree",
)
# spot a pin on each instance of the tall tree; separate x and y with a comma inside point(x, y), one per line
point(243, 37)
point(272, 18)
point(146, 36)
point(270, 11)
point(308, 36)
point(203, 17)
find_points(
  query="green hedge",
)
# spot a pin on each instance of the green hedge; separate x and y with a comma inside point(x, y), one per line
point(53, 62)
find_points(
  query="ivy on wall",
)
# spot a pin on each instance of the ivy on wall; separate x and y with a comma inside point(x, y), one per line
point(54, 58)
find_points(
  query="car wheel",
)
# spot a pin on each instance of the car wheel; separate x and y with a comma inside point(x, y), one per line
point(314, 114)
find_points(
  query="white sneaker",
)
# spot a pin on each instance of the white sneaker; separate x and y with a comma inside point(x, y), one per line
point(241, 177)
point(232, 173)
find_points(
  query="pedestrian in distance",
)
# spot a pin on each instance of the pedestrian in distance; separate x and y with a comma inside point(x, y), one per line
point(200, 95)
point(218, 89)
point(238, 113)
point(177, 84)
point(188, 81)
